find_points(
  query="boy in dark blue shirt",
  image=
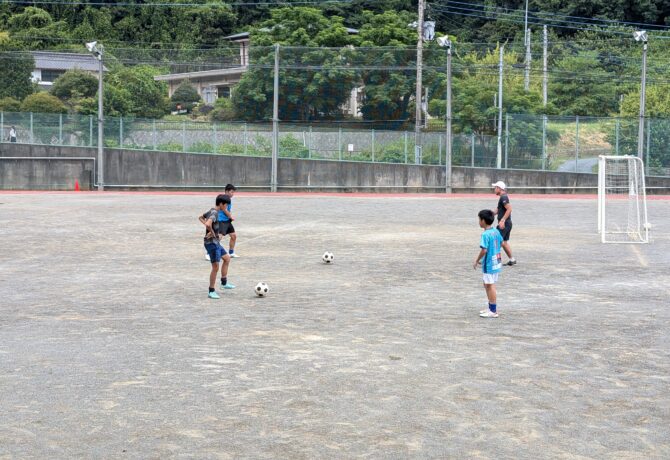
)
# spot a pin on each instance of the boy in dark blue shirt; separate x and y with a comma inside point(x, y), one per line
point(490, 258)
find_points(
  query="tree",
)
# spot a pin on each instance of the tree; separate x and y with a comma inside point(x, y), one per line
point(583, 87)
point(185, 96)
point(16, 70)
point(35, 28)
point(314, 79)
point(43, 103)
point(148, 98)
point(9, 104)
point(73, 86)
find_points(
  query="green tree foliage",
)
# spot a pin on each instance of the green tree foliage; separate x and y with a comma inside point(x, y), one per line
point(583, 87)
point(36, 29)
point(9, 104)
point(185, 96)
point(147, 98)
point(43, 103)
point(74, 85)
point(305, 94)
point(16, 71)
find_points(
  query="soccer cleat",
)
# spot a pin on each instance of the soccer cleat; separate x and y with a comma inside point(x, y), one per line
point(213, 295)
point(511, 262)
point(228, 286)
point(234, 255)
point(488, 314)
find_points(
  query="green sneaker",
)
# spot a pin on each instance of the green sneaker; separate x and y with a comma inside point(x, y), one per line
point(213, 295)
point(228, 286)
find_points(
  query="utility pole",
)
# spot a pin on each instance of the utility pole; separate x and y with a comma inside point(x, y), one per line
point(419, 76)
point(642, 36)
point(500, 107)
point(526, 81)
point(545, 44)
point(525, 24)
point(447, 159)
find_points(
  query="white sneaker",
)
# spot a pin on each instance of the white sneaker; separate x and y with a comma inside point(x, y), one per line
point(234, 255)
point(488, 314)
point(207, 256)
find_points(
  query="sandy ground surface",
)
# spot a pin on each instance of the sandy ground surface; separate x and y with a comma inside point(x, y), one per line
point(110, 348)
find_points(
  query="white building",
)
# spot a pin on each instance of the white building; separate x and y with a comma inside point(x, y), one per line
point(50, 65)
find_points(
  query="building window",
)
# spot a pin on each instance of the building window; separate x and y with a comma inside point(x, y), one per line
point(209, 95)
point(224, 91)
point(50, 75)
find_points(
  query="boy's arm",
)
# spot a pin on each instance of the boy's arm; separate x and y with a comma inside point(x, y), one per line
point(228, 214)
point(482, 253)
point(208, 224)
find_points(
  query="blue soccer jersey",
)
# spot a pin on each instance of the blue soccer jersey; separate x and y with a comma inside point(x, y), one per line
point(491, 241)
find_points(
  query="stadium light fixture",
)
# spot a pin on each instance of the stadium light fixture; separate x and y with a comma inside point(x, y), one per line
point(640, 36)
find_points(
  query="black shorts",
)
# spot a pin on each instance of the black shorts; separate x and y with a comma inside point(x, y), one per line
point(226, 228)
point(505, 231)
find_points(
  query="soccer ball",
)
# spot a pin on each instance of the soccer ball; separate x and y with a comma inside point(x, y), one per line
point(328, 257)
point(261, 289)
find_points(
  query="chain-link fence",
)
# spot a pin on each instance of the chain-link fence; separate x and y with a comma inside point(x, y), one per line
point(528, 142)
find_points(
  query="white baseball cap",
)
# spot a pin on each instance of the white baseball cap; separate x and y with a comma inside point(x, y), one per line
point(500, 184)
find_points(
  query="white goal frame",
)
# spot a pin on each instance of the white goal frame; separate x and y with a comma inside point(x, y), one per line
point(623, 191)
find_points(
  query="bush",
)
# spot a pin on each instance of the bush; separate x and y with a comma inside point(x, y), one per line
point(9, 104)
point(201, 147)
point(75, 84)
point(185, 96)
point(224, 110)
point(290, 147)
point(43, 103)
point(170, 147)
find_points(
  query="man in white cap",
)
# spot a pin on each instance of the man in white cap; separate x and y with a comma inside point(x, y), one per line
point(504, 212)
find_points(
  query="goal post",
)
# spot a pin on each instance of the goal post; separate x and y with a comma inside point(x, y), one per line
point(622, 200)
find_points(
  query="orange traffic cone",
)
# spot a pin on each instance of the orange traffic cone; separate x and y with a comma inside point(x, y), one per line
point(76, 185)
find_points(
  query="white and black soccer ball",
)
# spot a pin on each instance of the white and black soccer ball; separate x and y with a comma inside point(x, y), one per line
point(328, 257)
point(262, 289)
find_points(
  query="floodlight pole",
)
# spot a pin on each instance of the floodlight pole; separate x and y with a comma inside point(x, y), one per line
point(97, 52)
point(419, 77)
point(275, 123)
point(500, 108)
point(448, 147)
point(640, 134)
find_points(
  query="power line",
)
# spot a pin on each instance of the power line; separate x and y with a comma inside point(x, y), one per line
point(101, 3)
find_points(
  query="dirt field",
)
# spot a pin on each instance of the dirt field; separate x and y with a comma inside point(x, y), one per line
point(110, 348)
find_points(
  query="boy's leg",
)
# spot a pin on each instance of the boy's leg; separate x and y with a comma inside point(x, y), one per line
point(224, 273)
point(233, 240)
point(212, 275)
point(491, 296)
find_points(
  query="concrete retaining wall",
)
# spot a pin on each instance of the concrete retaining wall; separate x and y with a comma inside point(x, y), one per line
point(56, 168)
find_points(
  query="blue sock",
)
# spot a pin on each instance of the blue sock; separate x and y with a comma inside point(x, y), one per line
point(492, 307)
point(231, 252)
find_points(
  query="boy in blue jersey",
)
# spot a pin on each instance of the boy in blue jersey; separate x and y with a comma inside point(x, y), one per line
point(490, 258)
point(227, 218)
point(215, 251)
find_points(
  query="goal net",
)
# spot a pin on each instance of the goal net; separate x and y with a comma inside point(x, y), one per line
point(622, 202)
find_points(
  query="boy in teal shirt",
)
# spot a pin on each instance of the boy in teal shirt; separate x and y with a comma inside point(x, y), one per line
point(490, 258)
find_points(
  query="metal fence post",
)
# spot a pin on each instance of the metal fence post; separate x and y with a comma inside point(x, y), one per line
point(439, 149)
point(309, 143)
point(154, 134)
point(32, 134)
point(506, 137)
point(544, 142)
point(373, 145)
point(2, 126)
point(405, 147)
point(339, 143)
point(616, 129)
point(646, 163)
point(90, 130)
point(183, 136)
point(472, 149)
point(60, 129)
point(214, 139)
point(576, 142)
point(121, 132)
point(245, 138)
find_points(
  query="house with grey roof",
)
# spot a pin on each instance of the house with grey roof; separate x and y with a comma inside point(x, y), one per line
point(50, 65)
